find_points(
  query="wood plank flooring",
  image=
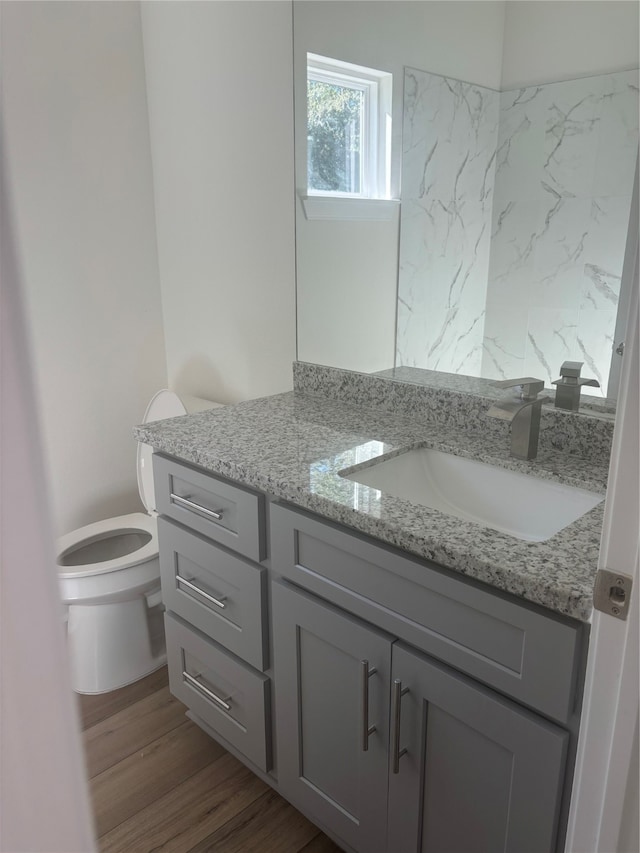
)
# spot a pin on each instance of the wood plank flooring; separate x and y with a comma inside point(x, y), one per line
point(159, 783)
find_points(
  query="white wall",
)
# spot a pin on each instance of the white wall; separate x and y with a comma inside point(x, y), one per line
point(546, 42)
point(219, 78)
point(347, 271)
point(347, 295)
point(77, 143)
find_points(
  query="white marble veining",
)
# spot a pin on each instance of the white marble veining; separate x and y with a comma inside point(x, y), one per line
point(447, 185)
point(515, 208)
point(564, 171)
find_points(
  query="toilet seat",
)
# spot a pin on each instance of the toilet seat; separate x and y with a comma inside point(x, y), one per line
point(101, 531)
point(110, 581)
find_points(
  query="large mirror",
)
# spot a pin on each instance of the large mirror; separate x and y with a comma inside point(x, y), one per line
point(513, 148)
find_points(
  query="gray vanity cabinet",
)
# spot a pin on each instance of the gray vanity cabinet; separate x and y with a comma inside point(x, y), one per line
point(332, 716)
point(414, 711)
point(479, 773)
point(457, 768)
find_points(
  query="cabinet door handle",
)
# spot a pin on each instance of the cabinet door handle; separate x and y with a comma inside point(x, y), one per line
point(219, 602)
point(194, 507)
point(365, 675)
point(397, 753)
point(208, 693)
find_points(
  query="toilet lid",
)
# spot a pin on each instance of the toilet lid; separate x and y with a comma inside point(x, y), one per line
point(165, 404)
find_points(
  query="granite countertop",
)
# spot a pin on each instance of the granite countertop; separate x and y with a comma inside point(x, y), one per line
point(292, 446)
point(595, 406)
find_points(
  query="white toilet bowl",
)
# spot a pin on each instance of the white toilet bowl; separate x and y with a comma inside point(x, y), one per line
point(109, 579)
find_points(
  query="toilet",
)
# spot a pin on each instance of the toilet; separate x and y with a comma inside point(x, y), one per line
point(109, 579)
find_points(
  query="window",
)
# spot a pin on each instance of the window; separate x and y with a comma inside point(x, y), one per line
point(348, 130)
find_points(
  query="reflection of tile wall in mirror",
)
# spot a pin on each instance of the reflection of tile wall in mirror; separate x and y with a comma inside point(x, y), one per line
point(449, 142)
point(559, 214)
point(566, 157)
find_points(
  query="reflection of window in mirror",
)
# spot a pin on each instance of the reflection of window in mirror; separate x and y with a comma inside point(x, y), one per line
point(322, 476)
point(348, 129)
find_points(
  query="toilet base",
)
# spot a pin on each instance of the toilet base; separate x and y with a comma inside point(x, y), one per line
point(112, 645)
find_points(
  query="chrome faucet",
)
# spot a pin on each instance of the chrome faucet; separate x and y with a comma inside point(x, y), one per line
point(523, 413)
point(570, 384)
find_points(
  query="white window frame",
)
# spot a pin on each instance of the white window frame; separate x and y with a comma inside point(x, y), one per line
point(375, 157)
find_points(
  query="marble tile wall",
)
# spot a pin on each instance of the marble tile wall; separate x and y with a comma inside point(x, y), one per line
point(514, 217)
point(564, 172)
point(449, 146)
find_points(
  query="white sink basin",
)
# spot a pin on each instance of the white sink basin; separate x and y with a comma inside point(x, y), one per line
point(514, 503)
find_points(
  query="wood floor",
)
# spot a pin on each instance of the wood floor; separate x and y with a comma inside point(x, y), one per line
point(159, 783)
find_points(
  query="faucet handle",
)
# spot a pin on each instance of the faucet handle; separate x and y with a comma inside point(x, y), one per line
point(570, 375)
point(571, 369)
point(530, 387)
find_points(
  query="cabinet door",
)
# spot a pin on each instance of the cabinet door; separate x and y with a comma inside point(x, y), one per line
point(479, 773)
point(326, 698)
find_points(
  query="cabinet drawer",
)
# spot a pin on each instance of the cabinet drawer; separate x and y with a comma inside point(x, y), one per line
point(514, 648)
point(226, 694)
point(223, 511)
point(222, 595)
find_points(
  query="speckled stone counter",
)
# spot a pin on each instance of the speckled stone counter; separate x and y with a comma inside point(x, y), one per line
point(293, 447)
point(603, 407)
point(457, 402)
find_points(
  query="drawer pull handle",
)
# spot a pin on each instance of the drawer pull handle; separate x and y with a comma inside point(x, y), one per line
point(194, 507)
point(219, 602)
point(398, 693)
point(365, 675)
point(208, 693)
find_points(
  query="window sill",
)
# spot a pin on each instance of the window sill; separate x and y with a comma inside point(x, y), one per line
point(356, 209)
